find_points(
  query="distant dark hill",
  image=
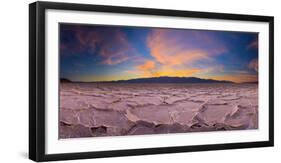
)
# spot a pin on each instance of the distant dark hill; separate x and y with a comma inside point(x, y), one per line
point(255, 82)
point(64, 80)
point(166, 79)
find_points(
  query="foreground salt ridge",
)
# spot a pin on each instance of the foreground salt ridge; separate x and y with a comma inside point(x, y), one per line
point(88, 110)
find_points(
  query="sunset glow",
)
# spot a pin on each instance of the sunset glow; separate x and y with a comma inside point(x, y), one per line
point(106, 53)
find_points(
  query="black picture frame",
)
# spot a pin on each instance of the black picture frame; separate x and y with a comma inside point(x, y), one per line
point(37, 88)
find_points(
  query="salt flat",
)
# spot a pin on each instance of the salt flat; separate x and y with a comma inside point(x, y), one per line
point(95, 109)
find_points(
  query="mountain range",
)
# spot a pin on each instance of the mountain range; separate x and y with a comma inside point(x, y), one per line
point(162, 79)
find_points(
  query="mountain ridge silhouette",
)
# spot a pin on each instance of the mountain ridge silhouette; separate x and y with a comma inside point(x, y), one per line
point(162, 79)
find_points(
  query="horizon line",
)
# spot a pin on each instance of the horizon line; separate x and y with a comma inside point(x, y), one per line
point(108, 81)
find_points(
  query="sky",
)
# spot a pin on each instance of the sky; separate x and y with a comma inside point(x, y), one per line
point(107, 53)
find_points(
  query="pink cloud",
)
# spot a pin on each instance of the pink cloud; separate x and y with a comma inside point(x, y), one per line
point(254, 64)
point(116, 59)
point(109, 43)
point(253, 45)
point(170, 52)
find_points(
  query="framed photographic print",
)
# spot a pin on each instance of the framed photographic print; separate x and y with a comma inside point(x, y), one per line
point(118, 81)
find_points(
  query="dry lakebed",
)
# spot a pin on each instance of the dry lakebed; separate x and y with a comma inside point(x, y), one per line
point(115, 109)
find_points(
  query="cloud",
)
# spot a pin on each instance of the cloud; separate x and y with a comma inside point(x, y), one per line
point(172, 47)
point(110, 43)
point(253, 45)
point(115, 59)
point(177, 53)
point(164, 72)
point(148, 65)
point(254, 65)
point(213, 69)
point(177, 72)
point(167, 52)
point(150, 69)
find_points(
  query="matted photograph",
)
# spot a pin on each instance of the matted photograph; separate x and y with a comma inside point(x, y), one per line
point(107, 81)
point(122, 80)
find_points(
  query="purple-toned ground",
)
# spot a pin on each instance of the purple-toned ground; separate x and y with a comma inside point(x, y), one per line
point(90, 109)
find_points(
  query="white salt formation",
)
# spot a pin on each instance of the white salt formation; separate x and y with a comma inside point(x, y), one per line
point(90, 109)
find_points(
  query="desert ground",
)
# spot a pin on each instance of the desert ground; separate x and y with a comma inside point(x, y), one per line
point(95, 109)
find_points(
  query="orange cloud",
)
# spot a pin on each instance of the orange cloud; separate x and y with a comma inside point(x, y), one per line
point(150, 69)
point(169, 52)
point(176, 73)
point(148, 65)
